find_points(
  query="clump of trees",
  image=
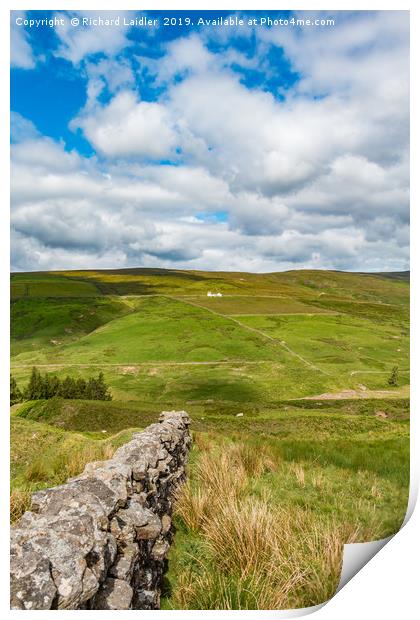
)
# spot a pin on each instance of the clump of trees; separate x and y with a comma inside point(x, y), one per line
point(50, 386)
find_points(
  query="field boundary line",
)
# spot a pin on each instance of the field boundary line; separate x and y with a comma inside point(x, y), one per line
point(140, 364)
point(255, 330)
point(286, 314)
point(375, 372)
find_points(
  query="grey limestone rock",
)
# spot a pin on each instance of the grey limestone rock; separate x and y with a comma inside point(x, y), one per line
point(124, 564)
point(100, 540)
point(114, 594)
point(31, 583)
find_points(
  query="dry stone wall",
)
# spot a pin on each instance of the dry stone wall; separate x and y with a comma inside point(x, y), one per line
point(100, 541)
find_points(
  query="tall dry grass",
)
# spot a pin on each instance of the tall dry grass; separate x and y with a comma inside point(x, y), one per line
point(254, 554)
point(20, 500)
point(219, 474)
point(75, 462)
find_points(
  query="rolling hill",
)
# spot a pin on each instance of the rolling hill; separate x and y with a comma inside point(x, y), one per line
point(286, 373)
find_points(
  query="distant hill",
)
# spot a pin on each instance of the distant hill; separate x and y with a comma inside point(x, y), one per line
point(322, 288)
point(404, 276)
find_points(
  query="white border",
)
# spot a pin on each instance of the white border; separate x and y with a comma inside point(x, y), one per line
point(387, 586)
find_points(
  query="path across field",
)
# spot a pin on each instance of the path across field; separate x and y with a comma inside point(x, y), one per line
point(255, 330)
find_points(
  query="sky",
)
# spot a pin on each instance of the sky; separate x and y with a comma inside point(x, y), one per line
point(236, 148)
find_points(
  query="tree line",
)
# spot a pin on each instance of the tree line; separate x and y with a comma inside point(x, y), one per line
point(50, 386)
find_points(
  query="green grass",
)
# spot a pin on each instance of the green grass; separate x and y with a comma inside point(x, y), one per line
point(48, 285)
point(379, 312)
point(165, 330)
point(310, 497)
point(307, 475)
point(358, 287)
point(340, 344)
point(324, 419)
point(244, 304)
point(293, 284)
point(183, 385)
point(38, 323)
point(43, 455)
point(95, 419)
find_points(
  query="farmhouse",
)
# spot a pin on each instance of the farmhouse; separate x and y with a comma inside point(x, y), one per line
point(210, 294)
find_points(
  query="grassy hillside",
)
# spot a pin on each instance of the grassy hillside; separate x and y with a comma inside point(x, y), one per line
point(299, 438)
point(162, 329)
point(293, 284)
point(338, 343)
point(48, 323)
point(44, 455)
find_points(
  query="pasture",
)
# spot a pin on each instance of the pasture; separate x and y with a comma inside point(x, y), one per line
point(285, 378)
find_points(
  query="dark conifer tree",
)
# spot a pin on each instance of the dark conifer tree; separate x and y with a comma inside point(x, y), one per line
point(102, 392)
point(46, 388)
point(54, 386)
point(15, 393)
point(34, 390)
point(80, 389)
point(67, 388)
point(90, 389)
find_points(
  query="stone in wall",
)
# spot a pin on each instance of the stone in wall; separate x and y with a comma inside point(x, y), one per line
point(100, 541)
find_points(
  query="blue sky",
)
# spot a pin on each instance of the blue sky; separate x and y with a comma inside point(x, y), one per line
point(58, 88)
point(219, 147)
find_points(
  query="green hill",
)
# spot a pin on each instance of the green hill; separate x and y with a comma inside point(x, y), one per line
point(286, 379)
point(270, 336)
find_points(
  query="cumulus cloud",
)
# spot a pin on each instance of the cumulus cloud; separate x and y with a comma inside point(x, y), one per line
point(21, 55)
point(45, 154)
point(114, 74)
point(21, 128)
point(183, 56)
point(127, 127)
point(361, 52)
point(78, 43)
point(315, 178)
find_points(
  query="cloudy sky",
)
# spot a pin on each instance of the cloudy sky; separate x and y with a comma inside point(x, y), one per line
point(211, 147)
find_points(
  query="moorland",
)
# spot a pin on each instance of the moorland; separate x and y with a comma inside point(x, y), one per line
point(297, 385)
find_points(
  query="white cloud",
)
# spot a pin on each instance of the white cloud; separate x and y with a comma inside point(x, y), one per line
point(148, 215)
point(78, 43)
point(21, 54)
point(319, 179)
point(115, 73)
point(127, 127)
point(21, 128)
point(183, 55)
point(354, 54)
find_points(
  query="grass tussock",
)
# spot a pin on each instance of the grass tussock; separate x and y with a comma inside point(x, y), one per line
point(252, 553)
point(204, 442)
point(20, 500)
point(255, 461)
point(299, 472)
point(223, 476)
point(76, 461)
point(262, 558)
